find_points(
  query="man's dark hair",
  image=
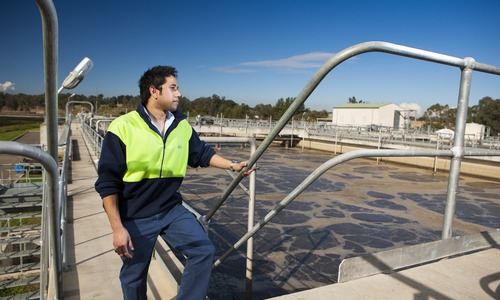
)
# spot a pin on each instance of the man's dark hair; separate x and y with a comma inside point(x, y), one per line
point(156, 76)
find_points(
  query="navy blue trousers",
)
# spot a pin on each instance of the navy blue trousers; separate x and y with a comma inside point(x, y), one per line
point(180, 230)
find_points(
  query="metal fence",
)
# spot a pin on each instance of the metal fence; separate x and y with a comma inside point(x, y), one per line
point(456, 150)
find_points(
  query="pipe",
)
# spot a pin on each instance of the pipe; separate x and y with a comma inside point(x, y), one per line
point(50, 56)
point(48, 162)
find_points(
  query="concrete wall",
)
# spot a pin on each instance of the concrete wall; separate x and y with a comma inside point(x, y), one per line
point(469, 167)
point(387, 115)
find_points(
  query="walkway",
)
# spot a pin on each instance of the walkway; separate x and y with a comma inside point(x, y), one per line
point(475, 276)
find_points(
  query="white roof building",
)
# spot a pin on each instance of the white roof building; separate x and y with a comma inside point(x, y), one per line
point(367, 114)
point(474, 131)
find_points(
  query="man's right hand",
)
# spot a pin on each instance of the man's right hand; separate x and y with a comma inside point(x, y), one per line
point(121, 239)
point(122, 242)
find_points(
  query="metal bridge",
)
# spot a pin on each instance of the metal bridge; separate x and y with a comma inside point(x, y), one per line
point(52, 240)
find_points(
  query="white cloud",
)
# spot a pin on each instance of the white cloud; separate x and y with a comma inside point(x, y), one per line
point(309, 60)
point(303, 61)
point(233, 70)
point(7, 86)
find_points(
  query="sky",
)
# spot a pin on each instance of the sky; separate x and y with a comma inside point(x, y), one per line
point(256, 52)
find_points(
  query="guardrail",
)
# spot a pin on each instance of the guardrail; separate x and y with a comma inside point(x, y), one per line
point(53, 211)
point(50, 256)
point(456, 151)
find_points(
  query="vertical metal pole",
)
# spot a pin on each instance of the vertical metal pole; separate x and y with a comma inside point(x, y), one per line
point(435, 157)
point(304, 135)
point(379, 145)
point(458, 145)
point(336, 139)
point(50, 55)
point(44, 246)
point(50, 49)
point(251, 221)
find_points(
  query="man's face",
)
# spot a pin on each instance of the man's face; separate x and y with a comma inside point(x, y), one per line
point(168, 95)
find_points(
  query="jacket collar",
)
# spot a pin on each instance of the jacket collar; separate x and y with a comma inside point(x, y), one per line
point(178, 114)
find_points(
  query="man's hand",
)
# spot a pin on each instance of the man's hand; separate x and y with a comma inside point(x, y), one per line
point(121, 239)
point(238, 166)
point(223, 163)
point(122, 242)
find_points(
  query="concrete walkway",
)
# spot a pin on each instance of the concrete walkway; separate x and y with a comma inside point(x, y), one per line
point(92, 265)
point(474, 276)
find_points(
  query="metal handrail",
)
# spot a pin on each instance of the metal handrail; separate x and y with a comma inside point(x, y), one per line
point(456, 153)
point(50, 56)
point(69, 103)
point(467, 64)
point(49, 215)
point(63, 194)
point(336, 161)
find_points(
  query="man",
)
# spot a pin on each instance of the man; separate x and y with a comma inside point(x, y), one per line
point(144, 159)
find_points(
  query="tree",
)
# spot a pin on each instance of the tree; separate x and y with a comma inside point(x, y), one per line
point(312, 116)
point(2, 100)
point(264, 111)
point(283, 104)
point(12, 103)
point(436, 110)
point(353, 100)
point(438, 116)
point(488, 113)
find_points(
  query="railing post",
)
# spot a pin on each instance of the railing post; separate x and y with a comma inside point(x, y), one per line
point(251, 221)
point(458, 147)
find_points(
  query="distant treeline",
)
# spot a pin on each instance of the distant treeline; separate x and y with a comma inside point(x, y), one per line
point(437, 116)
point(213, 106)
point(486, 112)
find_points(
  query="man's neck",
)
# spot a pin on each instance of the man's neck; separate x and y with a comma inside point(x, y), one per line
point(159, 118)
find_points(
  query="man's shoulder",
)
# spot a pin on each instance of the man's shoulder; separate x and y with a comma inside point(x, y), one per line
point(125, 120)
point(127, 117)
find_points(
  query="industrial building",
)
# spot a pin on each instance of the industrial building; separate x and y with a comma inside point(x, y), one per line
point(370, 115)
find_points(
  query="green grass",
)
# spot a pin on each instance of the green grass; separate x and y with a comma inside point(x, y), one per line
point(19, 290)
point(10, 128)
point(11, 135)
point(16, 221)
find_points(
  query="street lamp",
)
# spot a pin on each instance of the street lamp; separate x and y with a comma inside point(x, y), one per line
point(77, 75)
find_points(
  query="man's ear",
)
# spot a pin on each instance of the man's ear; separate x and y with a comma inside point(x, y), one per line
point(152, 92)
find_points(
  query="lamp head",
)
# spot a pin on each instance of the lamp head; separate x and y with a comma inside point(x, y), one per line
point(77, 75)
